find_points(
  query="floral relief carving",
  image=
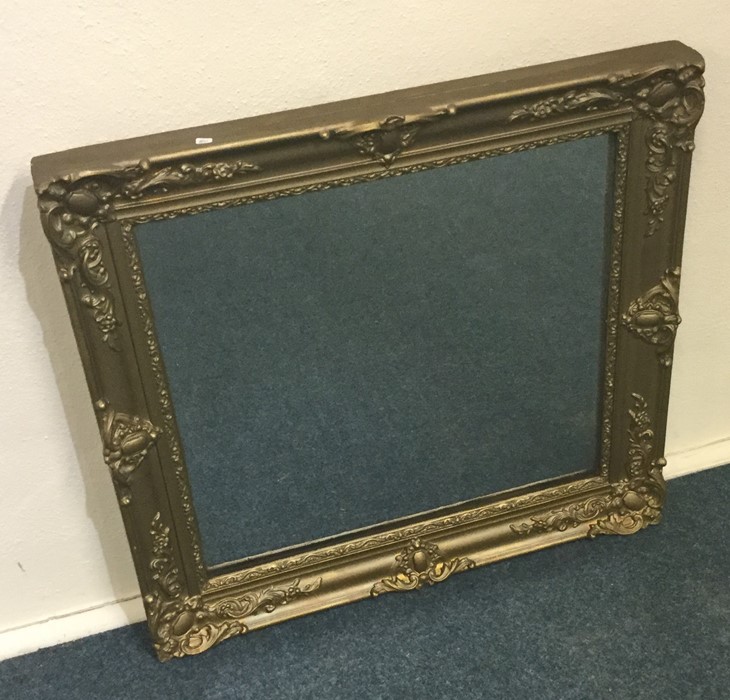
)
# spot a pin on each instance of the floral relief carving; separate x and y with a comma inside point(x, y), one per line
point(163, 395)
point(127, 440)
point(589, 100)
point(633, 503)
point(420, 563)
point(71, 213)
point(636, 502)
point(186, 625)
point(398, 535)
point(73, 209)
point(654, 316)
point(673, 99)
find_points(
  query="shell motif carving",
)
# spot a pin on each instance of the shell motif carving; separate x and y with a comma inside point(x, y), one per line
point(127, 440)
point(389, 138)
point(420, 564)
point(654, 316)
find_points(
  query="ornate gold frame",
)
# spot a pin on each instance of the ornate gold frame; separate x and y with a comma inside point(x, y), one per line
point(90, 199)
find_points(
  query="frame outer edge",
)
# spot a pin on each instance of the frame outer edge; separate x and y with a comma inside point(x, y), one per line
point(80, 190)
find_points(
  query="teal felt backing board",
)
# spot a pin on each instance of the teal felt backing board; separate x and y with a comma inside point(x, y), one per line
point(363, 353)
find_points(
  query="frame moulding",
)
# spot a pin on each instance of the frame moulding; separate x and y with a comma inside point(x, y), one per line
point(90, 199)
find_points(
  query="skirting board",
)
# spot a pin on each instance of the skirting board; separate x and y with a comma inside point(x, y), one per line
point(108, 616)
point(696, 459)
point(74, 625)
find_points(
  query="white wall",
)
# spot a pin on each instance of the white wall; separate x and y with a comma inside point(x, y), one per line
point(81, 72)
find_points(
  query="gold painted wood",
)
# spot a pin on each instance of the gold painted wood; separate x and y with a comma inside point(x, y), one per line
point(649, 98)
point(632, 504)
point(654, 316)
point(187, 625)
point(420, 564)
point(127, 440)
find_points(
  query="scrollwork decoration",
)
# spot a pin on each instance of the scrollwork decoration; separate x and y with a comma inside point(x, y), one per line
point(71, 214)
point(673, 99)
point(564, 519)
point(163, 392)
point(389, 138)
point(633, 503)
point(183, 625)
point(127, 440)
point(654, 316)
point(636, 502)
point(400, 534)
point(420, 564)
point(73, 209)
point(589, 100)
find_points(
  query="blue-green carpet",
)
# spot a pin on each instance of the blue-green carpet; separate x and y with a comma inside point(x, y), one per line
point(356, 340)
point(637, 617)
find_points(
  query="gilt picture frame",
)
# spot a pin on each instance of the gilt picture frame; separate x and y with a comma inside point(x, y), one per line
point(649, 99)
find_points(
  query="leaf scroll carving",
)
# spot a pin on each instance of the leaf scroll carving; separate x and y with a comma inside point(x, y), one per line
point(419, 564)
point(72, 210)
point(186, 625)
point(673, 99)
point(633, 503)
point(589, 100)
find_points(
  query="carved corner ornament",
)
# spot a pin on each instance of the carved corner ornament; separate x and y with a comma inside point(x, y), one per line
point(385, 141)
point(127, 440)
point(633, 503)
point(654, 316)
point(73, 209)
point(186, 625)
point(420, 564)
point(672, 99)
